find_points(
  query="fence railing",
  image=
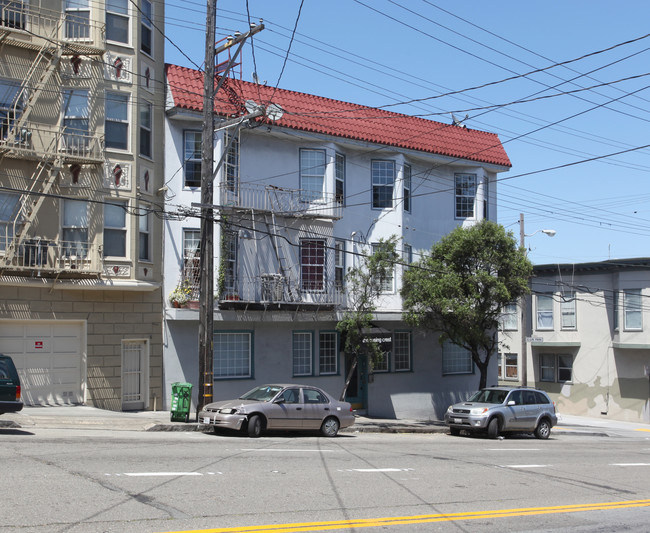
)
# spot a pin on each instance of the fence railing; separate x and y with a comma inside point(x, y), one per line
point(43, 256)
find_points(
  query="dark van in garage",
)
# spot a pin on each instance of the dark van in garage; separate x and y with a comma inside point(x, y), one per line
point(10, 401)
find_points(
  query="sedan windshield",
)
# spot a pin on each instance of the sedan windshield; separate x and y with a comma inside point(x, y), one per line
point(489, 396)
point(261, 394)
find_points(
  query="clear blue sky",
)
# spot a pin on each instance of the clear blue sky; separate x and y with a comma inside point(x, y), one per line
point(387, 52)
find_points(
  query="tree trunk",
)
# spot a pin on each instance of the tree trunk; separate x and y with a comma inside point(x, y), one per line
point(348, 378)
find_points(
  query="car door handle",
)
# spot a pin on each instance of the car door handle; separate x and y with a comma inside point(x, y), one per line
point(327, 408)
point(298, 408)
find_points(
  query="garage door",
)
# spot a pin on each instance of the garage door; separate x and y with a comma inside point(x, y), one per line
point(49, 359)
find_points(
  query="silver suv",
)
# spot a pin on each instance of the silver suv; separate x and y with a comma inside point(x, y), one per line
point(503, 409)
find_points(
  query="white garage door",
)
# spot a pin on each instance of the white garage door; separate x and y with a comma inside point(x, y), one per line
point(49, 359)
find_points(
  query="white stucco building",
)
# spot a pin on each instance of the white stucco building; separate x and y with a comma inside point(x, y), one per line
point(302, 193)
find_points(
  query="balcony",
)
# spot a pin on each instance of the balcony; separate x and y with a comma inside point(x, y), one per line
point(280, 201)
point(38, 257)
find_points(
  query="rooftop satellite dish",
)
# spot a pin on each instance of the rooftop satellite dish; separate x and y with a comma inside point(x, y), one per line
point(274, 112)
point(250, 106)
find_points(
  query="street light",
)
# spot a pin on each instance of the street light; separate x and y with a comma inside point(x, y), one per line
point(524, 301)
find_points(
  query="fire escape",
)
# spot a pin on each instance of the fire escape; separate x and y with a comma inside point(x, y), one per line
point(61, 45)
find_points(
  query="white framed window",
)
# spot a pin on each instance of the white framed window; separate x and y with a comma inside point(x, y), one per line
point(556, 368)
point(10, 107)
point(509, 320)
point(383, 183)
point(192, 158)
point(568, 310)
point(508, 366)
point(115, 230)
point(328, 352)
point(13, 13)
point(544, 311)
point(77, 19)
point(339, 179)
point(407, 255)
point(312, 264)
point(9, 211)
point(402, 351)
point(232, 163)
point(191, 259)
point(74, 228)
point(616, 296)
point(231, 246)
point(233, 354)
point(117, 21)
point(456, 359)
point(144, 233)
point(632, 309)
point(339, 264)
point(116, 127)
point(146, 27)
point(312, 174)
point(407, 188)
point(146, 128)
point(465, 186)
point(303, 346)
point(75, 119)
point(388, 281)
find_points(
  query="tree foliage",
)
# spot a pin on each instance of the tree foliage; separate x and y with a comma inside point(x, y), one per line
point(363, 289)
point(462, 285)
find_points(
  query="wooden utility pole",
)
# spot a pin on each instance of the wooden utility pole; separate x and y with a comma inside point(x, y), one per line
point(206, 285)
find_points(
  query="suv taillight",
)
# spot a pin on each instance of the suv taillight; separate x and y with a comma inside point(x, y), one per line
point(17, 393)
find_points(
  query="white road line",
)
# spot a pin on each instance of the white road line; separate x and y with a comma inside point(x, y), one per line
point(629, 464)
point(285, 450)
point(377, 470)
point(524, 466)
point(513, 449)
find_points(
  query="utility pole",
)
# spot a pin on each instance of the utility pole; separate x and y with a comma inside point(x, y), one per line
point(206, 252)
point(524, 312)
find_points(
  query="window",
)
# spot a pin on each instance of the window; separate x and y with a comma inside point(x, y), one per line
point(192, 158)
point(465, 195)
point(146, 27)
point(556, 368)
point(144, 234)
point(314, 396)
point(9, 209)
point(191, 252)
point(232, 163)
point(383, 181)
point(615, 308)
point(339, 179)
point(230, 247)
point(146, 128)
point(232, 354)
point(77, 19)
point(75, 119)
point(402, 351)
point(75, 228)
point(117, 21)
point(10, 107)
point(13, 13)
point(407, 255)
point(568, 310)
point(386, 281)
point(302, 353)
point(632, 309)
point(328, 352)
point(117, 121)
point(455, 359)
point(312, 265)
point(508, 366)
point(115, 229)
point(407, 188)
point(544, 311)
point(509, 317)
point(312, 174)
point(339, 264)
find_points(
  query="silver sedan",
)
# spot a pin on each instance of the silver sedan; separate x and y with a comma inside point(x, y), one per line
point(280, 407)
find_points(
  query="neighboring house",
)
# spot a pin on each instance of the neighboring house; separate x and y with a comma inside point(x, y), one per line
point(589, 343)
point(81, 119)
point(303, 192)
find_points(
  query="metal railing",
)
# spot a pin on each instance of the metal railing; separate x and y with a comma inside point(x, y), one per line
point(42, 256)
point(286, 202)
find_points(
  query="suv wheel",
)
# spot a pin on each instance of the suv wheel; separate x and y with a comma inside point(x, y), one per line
point(543, 429)
point(493, 428)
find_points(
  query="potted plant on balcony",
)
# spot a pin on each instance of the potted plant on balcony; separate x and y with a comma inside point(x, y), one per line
point(181, 294)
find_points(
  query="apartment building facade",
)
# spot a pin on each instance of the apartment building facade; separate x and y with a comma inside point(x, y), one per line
point(585, 339)
point(304, 191)
point(81, 113)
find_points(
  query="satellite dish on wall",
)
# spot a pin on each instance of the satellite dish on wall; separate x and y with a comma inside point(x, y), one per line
point(274, 112)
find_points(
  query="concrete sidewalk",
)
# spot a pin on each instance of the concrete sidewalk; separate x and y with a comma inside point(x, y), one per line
point(85, 417)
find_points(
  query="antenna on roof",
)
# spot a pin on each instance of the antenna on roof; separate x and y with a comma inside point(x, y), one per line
point(455, 121)
point(256, 79)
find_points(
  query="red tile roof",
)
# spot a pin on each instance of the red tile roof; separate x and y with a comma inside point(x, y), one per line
point(311, 113)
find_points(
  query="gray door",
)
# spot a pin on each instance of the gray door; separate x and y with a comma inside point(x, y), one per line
point(317, 408)
point(287, 413)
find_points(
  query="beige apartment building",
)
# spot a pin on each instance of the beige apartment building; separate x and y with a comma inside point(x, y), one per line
point(81, 116)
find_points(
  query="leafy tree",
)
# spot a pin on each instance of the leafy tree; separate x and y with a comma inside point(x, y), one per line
point(363, 288)
point(462, 285)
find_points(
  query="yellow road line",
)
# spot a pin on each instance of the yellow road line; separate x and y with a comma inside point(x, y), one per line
point(641, 429)
point(421, 519)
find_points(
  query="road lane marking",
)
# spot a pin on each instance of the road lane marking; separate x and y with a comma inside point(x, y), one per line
point(525, 466)
point(629, 464)
point(513, 449)
point(286, 450)
point(422, 519)
point(164, 474)
point(642, 429)
point(377, 470)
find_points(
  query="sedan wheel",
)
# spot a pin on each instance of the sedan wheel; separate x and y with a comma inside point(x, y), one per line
point(493, 428)
point(254, 426)
point(543, 429)
point(330, 427)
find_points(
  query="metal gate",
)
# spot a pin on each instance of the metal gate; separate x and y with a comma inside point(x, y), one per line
point(135, 375)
